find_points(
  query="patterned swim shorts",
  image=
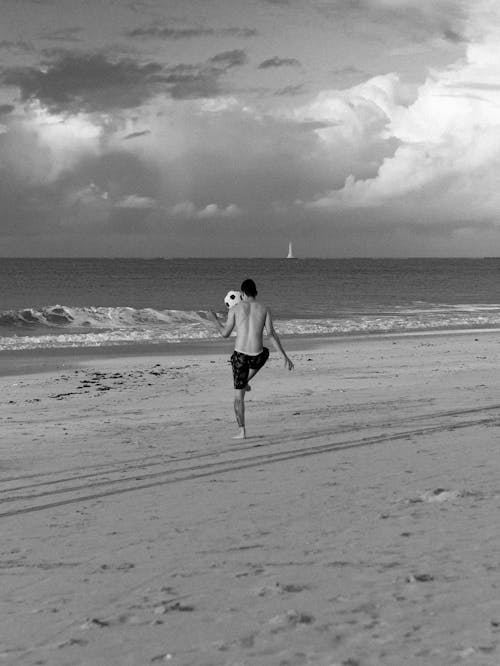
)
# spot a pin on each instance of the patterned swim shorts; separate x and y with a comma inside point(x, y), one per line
point(243, 363)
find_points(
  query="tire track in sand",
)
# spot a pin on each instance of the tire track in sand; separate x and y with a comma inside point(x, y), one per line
point(235, 461)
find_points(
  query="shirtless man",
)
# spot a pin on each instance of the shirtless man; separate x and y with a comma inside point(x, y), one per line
point(250, 319)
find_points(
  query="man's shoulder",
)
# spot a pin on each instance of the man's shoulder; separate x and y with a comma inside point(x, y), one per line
point(260, 307)
point(239, 308)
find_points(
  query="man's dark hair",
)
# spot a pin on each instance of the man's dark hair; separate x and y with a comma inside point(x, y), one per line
point(248, 288)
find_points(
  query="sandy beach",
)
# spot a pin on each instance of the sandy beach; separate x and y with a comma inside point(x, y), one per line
point(355, 526)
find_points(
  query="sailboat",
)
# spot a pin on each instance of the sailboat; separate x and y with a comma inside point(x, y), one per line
point(290, 251)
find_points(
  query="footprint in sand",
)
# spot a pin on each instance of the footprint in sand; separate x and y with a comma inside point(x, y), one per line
point(437, 495)
point(124, 566)
point(290, 620)
point(168, 607)
point(420, 578)
point(292, 588)
point(94, 622)
point(73, 641)
point(280, 588)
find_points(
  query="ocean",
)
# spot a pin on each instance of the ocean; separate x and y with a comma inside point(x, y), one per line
point(60, 303)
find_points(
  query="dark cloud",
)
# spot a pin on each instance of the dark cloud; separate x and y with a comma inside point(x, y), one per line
point(5, 109)
point(81, 82)
point(193, 81)
point(135, 135)
point(159, 32)
point(229, 59)
point(312, 125)
point(94, 82)
point(453, 36)
point(348, 70)
point(279, 62)
point(167, 32)
point(291, 90)
point(202, 80)
point(346, 77)
point(238, 32)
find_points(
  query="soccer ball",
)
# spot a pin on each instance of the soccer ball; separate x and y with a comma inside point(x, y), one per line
point(231, 298)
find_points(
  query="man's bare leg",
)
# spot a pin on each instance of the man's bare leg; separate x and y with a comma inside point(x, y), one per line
point(251, 374)
point(239, 411)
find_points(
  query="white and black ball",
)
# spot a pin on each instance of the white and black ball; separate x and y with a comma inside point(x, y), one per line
point(232, 298)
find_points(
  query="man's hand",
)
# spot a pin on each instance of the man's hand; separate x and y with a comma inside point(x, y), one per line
point(288, 363)
point(224, 328)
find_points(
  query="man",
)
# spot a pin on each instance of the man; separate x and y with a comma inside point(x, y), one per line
point(250, 319)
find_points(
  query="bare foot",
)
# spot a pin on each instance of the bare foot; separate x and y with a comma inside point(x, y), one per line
point(240, 435)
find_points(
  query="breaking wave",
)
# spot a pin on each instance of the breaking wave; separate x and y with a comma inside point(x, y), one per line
point(61, 326)
point(96, 317)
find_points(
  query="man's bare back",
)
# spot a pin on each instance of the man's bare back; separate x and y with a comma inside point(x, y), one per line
point(250, 320)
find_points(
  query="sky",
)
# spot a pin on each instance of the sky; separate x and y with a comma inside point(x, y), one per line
point(227, 128)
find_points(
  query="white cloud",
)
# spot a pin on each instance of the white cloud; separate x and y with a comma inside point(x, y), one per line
point(218, 104)
point(187, 210)
point(358, 114)
point(38, 146)
point(213, 210)
point(136, 201)
point(87, 195)
point(448, 139)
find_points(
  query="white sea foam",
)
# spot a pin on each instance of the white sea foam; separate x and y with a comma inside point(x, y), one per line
point(95, 317)
point(62, 326)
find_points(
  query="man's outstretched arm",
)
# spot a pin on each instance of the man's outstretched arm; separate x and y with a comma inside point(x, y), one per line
point(224, 329)
point(276, 341)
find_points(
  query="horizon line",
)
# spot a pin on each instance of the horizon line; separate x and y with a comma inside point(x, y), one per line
point(247, 258)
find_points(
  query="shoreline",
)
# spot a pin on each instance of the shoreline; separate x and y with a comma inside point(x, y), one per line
point(49, 359)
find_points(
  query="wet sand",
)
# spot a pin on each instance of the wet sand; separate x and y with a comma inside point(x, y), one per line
point(356, 526)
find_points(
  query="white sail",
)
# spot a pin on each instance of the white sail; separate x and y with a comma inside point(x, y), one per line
point(290, 251)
